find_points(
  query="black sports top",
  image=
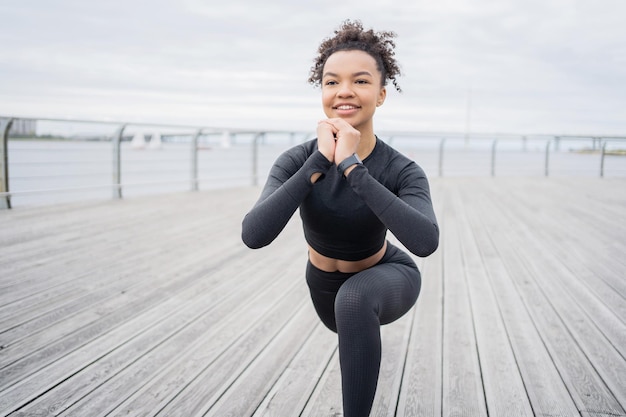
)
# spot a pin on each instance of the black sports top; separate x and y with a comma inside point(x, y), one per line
point(346, 218)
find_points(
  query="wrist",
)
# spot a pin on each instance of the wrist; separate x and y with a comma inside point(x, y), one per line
point(347, 165)
point(349, 170)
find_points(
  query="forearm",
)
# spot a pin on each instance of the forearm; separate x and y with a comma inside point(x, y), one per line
point(414, 224)
point(279, 200)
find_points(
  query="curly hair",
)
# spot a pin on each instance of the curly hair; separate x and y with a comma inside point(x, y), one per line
point(351, 36)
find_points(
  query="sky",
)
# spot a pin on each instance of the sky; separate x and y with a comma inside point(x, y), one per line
point(490, 66)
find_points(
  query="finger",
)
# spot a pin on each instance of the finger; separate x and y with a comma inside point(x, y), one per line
point(327, 123)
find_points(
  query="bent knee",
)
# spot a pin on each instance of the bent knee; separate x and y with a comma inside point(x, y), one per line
point(353, 301)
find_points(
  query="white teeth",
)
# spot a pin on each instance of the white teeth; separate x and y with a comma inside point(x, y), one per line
point(346, 107)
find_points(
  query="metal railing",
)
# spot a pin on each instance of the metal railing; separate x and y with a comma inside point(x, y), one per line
point(449, 150)
point(187, 136)
point(553, 143)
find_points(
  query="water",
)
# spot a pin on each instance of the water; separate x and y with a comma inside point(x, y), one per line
point(50, 172)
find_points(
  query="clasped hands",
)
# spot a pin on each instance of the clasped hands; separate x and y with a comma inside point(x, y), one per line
point(337, 139)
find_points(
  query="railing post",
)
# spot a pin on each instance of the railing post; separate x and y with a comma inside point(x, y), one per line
point(493, 157)
point(602, 154)
point(441, 143)
point(194, 160)
point(547, 162)
point(5, 202)
point(117, 163)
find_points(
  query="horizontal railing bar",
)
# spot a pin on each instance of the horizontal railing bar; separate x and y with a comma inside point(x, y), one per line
point(52, 150)
point(81, 162)
point(39, 177)
point(491, 136)
point(221, 129)
point(118, 123)
point(55, 190)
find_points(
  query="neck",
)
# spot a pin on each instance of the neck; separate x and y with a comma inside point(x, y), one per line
point(367, 143)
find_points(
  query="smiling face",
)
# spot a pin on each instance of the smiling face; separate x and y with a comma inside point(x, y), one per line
point(352, 88)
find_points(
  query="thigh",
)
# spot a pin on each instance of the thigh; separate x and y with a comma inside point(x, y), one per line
point(323, 287)
point(390, 289)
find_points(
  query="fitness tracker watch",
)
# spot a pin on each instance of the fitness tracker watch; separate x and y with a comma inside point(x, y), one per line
point(348, 162)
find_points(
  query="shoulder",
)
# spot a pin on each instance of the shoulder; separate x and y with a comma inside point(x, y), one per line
point(396, 170)
point(396, 162)
point(294, 157)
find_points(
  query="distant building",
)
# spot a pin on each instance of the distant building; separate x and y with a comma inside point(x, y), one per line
point(21, 127)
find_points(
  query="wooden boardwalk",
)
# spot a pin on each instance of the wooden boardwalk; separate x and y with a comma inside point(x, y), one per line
point(153, 306)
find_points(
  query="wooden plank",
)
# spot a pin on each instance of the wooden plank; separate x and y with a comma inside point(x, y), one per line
point(420, 393)
point(326, 398)
point(120, 271)
point(581, 275)
point(587, 388)
point(570, 207)
point(19, 313)
point(45, 356)
point(462, 380)
point(136, 359)
point(250, 388)
point(29, 354)
point(211, 383)
point(596, 286)
point(394, 339)
point(486, 286)
point(70, 362)
point(65, 268)
point(547, 392)
point(50, 248)
point(497, 361)
point(291, 392)
point(158, 377)
point(599, 350)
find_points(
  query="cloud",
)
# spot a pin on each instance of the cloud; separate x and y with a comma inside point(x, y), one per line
point(552, 65)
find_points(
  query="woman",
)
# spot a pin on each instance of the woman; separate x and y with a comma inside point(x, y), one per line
point(351, 188)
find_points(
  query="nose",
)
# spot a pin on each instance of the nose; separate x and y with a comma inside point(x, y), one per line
point(345, 90)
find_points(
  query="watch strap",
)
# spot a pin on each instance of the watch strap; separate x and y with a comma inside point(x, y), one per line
point(348, 162)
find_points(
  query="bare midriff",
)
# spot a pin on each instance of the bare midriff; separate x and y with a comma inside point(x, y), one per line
point(332, 265)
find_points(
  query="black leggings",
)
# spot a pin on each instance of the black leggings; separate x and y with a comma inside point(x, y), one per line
point(354, 306)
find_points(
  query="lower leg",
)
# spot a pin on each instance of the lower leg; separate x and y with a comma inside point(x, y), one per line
point(359, 356)
point(364, 302)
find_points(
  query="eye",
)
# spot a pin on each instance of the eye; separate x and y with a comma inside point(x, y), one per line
point(362, 81)
point(330, 82)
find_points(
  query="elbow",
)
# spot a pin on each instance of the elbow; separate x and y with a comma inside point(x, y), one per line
point(429, 243)
point(430, 249)
point(426, 250)
point(250, 241)
point(251, 236)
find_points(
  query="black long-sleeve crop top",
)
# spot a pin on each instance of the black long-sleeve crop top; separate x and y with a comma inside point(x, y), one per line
point(346, 218)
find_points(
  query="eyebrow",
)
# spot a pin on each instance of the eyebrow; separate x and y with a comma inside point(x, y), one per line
point(356, 74)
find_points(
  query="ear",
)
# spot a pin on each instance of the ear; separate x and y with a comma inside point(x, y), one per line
point(381, 97)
